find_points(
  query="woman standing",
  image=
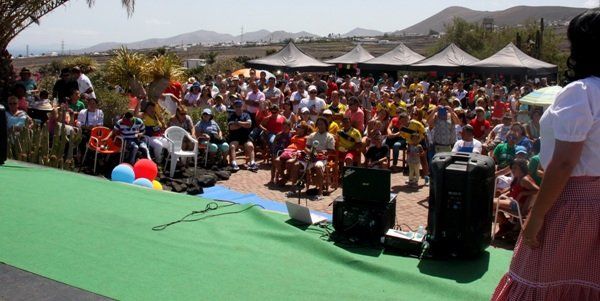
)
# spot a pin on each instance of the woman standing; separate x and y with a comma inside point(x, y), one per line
point(557, 256)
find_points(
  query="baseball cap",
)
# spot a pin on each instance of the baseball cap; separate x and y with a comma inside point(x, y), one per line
point(312, 88)
point(207, 111)
point(304, 110)
point(238, 102)
point(520, 150)
point(327, 112)
point(479, 109)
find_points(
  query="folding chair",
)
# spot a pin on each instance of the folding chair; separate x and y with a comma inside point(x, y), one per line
point(518, 215)
point(175, 136)
point(98, 145)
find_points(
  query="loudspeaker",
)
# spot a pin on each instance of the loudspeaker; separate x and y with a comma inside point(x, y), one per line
point(3, 135)
point(460, 204)
point(363, 220)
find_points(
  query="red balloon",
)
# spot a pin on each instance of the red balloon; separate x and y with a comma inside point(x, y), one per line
point(145, 168)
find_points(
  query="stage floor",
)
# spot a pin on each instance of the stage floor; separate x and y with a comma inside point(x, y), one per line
point(96, 235)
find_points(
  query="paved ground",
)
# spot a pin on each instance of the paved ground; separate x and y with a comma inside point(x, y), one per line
point(411, 203)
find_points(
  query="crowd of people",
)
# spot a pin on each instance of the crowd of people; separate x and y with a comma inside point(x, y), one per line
point(298, 123)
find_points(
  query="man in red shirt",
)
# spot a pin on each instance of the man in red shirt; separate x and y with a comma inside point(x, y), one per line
point(481, 127)
point(331, 86)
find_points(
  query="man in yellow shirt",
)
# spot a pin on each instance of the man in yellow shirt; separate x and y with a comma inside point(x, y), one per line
point(334, 126)
point(348, 143)
point(407, 128)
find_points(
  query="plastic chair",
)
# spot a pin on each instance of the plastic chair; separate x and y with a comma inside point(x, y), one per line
point(518, 215)
point(175, 136)
point(98, 144)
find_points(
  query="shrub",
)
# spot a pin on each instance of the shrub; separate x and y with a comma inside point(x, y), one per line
point(113, 104)
point(85, 63)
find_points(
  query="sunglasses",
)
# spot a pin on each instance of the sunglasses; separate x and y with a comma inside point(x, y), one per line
point(312, 92)
point(12, 103)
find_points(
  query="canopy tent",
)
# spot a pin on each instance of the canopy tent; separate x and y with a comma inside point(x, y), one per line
point(395, 59)
point(511, 60)
point(449, 59)
point(290, 58)
point(543, 97)
point(356, 55)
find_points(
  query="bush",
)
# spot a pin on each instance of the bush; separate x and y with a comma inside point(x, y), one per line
point(85, 63)
point(113, 104)
point(218, 67)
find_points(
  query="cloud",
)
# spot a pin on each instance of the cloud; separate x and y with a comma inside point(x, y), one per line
point(591, 3)
point(157, 22)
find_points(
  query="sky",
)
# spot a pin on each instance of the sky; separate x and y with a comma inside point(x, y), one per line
point(80, 26)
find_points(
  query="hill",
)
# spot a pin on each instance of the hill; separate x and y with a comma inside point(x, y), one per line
point(362, 32)
point(201, 36)
point(509, 17)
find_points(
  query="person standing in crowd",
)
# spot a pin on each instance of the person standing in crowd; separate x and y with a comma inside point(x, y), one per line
point(442, 122)
point(557, 254)
point(314, 104)
point(272, 93)
point(414, 153)
point(83, 83)
point(63, 86)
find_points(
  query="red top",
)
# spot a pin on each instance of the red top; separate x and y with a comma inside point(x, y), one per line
point(515, 190)
point(500, 109)
point(297, 143)
point(174, 88)
point(331, 86)
point(479, 127)
point(275, 125)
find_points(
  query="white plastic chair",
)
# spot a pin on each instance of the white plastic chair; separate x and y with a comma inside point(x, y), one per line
point(518, 215)
point(175, 136)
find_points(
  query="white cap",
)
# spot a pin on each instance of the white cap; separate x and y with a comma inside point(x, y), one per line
point(304, 110)
point(312, 88)
point(327, 112)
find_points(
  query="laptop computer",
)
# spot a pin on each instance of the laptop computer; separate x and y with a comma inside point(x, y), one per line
point(302, 214)
point(366, 184)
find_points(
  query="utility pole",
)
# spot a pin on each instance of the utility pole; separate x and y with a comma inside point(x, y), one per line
point(62, 47)
point(27, 50)
point(242, 37)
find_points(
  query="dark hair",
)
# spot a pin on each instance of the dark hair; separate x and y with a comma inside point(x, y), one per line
point(584, 35)
point(536, 147)
point(522, 164)
point(44, 94)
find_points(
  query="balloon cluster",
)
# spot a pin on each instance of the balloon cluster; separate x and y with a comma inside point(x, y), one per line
point(142, 173)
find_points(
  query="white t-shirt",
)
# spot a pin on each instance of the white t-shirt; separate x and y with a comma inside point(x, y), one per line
point(501, 131)
point(467, 147)
point(317, 103)
point(296, 97)
point(574, 117)
point(84, 83)
point(86, 118)
point(191, 99)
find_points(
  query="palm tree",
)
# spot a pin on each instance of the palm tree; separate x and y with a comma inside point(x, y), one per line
point(15, 16)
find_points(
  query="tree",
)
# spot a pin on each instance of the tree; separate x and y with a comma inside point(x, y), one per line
point(15, 16)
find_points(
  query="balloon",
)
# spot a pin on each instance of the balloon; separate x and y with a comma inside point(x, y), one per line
point(146, 169)
point(143, 182)
point(123, 173)
point(127, 164)
point(212, 148)
point(156, 185)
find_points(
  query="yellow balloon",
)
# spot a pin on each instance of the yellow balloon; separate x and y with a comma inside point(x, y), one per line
point(156, 185)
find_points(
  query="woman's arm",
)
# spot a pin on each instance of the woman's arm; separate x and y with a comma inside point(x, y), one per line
point(565, 158)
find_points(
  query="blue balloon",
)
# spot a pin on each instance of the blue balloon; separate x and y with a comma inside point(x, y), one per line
point(143, 182)
point(123, 173)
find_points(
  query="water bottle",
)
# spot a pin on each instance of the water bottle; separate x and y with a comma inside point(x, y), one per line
point(420, 233)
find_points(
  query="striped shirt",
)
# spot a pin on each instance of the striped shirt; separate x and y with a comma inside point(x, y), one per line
point(129, 129)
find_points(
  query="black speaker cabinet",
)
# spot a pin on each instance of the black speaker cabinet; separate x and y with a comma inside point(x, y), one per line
point(460, 204)
point(363, 220)
point(3, 135)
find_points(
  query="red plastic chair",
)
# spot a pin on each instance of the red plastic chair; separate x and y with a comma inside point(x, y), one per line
point(98, 144)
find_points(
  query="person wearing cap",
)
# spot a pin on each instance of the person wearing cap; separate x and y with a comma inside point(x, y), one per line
point(208, 129)
point(498, 133)
point(481, 126)
point(334, 127)
point(314, 104)
point(240, 125)
point(217, 104)
point(442, 123)
point(304, 116)
point(63, 86)
point(83, 83)
point(192, 97)
point(468, 143)
point(272, 93)
point(28, 82)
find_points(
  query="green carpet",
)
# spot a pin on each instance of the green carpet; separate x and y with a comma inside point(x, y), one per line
point(97, 235)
